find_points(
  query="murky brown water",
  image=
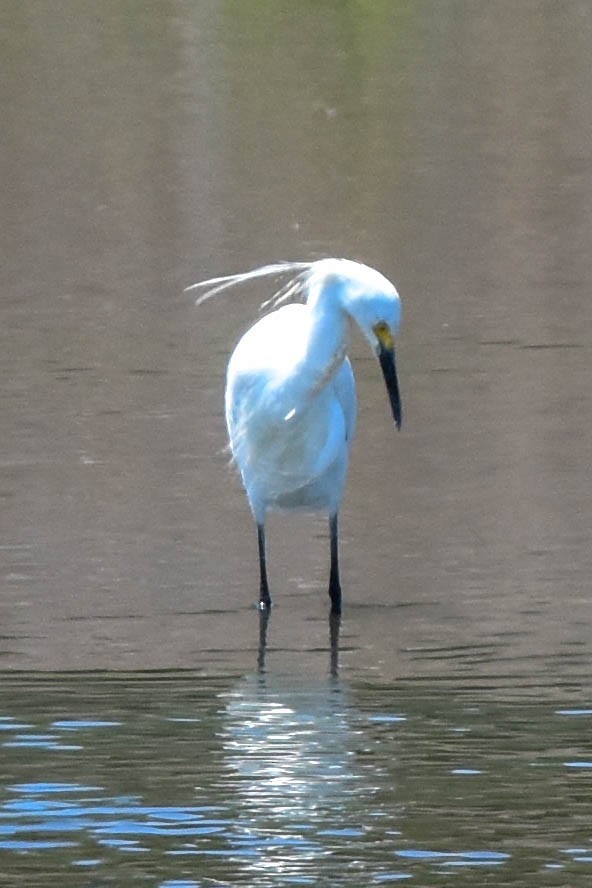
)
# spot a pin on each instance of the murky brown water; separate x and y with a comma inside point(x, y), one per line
point(146, 146)
point(145, 149)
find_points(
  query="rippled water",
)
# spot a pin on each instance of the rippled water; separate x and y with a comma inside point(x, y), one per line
point(152, 730)
point(269, 780)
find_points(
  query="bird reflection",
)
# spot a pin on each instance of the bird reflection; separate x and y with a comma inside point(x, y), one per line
point(290, 756)
point(334, 629)
point(262, 650)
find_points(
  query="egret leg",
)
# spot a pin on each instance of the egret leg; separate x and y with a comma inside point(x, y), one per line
point(334, 584)
point(264, 596)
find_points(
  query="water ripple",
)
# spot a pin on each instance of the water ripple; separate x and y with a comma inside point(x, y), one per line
point(274, 782)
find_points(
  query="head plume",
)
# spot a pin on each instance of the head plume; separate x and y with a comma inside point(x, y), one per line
point(303, 278)
point(295, 271)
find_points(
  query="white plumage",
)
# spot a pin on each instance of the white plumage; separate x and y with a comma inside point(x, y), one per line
point(291, 395)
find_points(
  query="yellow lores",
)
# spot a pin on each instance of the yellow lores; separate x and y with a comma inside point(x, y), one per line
point(384, 335)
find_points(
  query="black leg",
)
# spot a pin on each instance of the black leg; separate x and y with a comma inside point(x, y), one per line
point(334, 584)
point(264, 596)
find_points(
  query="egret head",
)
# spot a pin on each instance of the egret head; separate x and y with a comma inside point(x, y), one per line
point(372, 302)
point(362, 292)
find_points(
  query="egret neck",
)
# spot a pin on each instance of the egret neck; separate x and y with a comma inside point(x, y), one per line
point(326, 344)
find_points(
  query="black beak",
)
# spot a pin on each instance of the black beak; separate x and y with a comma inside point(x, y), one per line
point(386, 356)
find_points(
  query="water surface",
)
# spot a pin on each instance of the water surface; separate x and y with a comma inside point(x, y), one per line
point(270, 780)
point(147, 734)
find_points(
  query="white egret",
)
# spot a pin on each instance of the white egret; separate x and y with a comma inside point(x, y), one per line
point(291, 395)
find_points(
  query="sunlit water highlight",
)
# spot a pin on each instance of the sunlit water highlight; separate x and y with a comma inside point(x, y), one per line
point(149, 145)
point(268, 780)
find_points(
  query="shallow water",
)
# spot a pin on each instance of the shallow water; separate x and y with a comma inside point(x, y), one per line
point(268, 779)
point(148, 732)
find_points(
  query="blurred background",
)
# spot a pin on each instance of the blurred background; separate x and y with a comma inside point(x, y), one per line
point(146, 146)
point(143, 707)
